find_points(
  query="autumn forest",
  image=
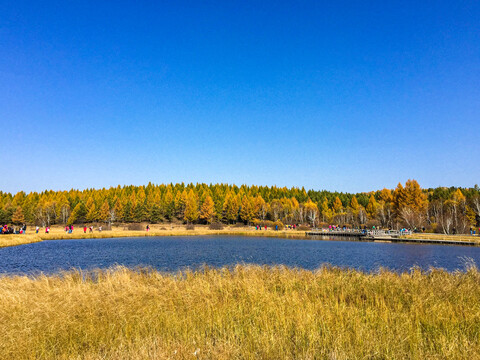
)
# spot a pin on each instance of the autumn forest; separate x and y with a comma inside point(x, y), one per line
point(442, 210)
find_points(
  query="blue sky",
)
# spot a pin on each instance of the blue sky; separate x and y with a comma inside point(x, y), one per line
point(340, 95)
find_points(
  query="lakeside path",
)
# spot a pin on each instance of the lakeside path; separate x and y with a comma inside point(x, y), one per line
point(443, 237)
point(58, 233)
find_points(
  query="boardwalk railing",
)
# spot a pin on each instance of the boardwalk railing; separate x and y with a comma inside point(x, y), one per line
point(386, 235)
point(359, 232)
point(388, 232)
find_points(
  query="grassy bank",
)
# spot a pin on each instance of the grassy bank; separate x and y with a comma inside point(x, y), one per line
point(58, 233)
point(247, 312)
point(14, 240)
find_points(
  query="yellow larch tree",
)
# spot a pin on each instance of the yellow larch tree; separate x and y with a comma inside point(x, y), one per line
point(207, 211)
point(191, 207)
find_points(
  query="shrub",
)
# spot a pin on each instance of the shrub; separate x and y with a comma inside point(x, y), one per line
point(190, 227)
point(216, 226)
point(279, 224)
point(303, 227)
point(135, 227)
point(239, 224)
point(268, 223)
point(371, 223)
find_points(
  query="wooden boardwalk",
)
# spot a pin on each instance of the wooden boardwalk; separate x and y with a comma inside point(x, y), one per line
point(387, 236)
point(352, 233)
point(357, 233)
point(431, 241)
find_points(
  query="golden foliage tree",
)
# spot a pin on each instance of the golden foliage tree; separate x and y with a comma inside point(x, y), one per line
point(386, 195)
point(371, 207)
point(17, 217)
point(439, 209)
point(230, 208)
point(247, 210)
point(326, 211)
point(191, 207)
point(312, 211)
point(104, 213)
point(118, 211)
point(260, 207)
point(337, 205)
point(410, 203)
point(207, 212)
point(354, 204)
point(91, 210)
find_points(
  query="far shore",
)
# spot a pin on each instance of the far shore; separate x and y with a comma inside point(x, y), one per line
point(58, 233)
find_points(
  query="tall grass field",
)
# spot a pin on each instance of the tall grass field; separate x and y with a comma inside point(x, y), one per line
point(243, 312)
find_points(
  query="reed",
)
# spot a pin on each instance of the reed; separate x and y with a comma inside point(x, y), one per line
point(243, 312)
point(14, 240)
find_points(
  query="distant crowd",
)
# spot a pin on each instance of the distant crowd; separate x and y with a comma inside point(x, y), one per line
point(13, 229)
point(6, 229)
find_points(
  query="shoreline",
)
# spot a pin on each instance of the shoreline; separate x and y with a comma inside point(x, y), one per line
point(57, 233)
point(23, 239)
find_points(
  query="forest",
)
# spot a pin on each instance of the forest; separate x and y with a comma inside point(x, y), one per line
point(441, 210)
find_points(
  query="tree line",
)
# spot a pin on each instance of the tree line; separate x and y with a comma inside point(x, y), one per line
point(441, 209)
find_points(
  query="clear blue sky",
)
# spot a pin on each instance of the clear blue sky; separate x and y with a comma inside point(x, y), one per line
point(348, 96)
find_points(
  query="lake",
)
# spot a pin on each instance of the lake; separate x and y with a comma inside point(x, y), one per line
point(176, 253)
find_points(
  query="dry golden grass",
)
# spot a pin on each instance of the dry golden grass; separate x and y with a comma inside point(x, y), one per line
point(247, 312)
point(14, 240)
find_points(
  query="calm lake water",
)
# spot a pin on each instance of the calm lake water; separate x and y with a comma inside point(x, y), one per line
point(176, 253)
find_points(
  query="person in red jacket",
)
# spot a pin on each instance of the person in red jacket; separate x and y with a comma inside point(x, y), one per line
point(84, 229)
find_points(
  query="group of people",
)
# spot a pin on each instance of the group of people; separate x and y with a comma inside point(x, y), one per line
point(69, 229)
point(5, 229)
point(259, 227)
